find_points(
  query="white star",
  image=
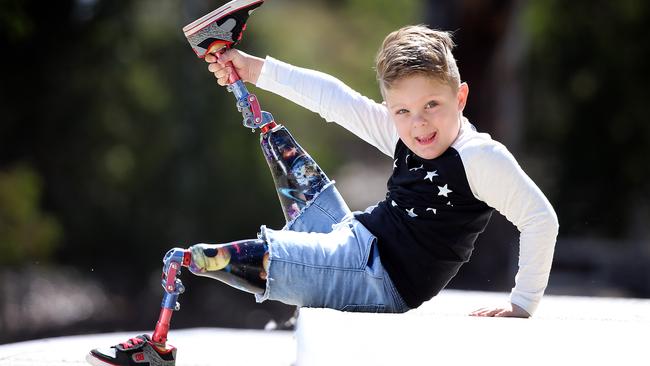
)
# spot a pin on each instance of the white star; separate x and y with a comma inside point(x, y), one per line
point(430, 175)
point(444, 191)
point(435, 212)
point(393, 203)
point(411, 213)
point(407, 159)
point(395, 164)
point(449, 204)
point(416, 169)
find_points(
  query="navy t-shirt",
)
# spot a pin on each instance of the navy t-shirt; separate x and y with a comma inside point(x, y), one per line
point(428, 223)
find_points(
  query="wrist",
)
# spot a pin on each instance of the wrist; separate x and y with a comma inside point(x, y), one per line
point(255, 68)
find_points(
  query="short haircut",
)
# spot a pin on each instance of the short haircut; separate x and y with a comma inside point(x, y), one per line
point(417, 50)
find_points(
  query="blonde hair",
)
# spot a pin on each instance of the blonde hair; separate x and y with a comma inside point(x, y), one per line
point(417, 50)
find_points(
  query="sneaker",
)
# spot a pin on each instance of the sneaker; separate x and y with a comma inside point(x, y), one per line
point(225, 24)
point(138, 351)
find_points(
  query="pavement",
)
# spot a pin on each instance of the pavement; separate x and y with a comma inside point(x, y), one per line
point(565, 329)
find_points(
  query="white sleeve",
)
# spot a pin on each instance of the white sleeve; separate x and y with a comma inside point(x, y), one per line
point(496, 178)
point(332, 100)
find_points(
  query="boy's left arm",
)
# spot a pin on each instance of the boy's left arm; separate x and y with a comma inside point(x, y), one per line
point(497, 179)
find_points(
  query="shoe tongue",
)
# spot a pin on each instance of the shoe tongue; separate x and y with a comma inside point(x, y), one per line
point(143, 337)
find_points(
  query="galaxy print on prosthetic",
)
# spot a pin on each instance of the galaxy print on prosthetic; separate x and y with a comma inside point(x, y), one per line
point(296, 175)
point(240, 264)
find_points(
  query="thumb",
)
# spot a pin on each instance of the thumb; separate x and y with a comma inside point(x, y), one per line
point(227, 56)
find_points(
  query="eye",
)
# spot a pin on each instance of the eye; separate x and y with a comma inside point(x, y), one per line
point(431, 104)
point(401, 111)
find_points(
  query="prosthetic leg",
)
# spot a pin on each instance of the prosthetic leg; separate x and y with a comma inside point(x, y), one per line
point(241, 264)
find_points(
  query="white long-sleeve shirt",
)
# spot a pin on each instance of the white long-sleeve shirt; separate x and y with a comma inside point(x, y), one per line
point(491, 176)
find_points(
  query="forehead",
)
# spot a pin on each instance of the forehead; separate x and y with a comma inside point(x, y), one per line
point(413, 88)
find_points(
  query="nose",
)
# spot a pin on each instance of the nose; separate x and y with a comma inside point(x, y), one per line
point(418, 120)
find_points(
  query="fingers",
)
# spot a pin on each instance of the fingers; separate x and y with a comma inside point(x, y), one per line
point(221, 72)
point(500, 312)
point(218, 67)
point(503, 314)
point(488, 312)
point(210, 58)
point(223, 58)
point(477, 312)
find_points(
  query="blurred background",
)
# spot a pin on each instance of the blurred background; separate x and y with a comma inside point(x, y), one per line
point(116, 145)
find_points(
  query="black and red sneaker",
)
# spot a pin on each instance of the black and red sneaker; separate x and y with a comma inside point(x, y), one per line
point(138, 351)
point(225, 24)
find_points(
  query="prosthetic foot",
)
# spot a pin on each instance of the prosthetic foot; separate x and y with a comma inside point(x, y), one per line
point(144, 350)
point(222, 26)
point(137, 351)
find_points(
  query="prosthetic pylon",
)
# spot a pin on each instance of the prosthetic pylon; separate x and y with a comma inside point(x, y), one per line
point(172, 263)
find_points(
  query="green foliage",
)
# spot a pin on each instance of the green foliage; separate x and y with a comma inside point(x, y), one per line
point(138, 149)
point(587, 71)
point(26, 233)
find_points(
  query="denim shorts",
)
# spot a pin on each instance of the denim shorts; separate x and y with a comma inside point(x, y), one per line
point(326, 258)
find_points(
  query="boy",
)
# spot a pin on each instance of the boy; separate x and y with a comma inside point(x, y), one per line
point(447, 179)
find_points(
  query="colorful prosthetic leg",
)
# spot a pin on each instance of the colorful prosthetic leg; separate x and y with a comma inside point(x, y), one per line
point(242, 264)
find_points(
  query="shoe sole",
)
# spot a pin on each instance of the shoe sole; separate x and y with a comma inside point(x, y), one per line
point(97, 362)
point(207, 19)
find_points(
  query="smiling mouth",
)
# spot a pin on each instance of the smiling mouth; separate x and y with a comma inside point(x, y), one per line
point(426, 139)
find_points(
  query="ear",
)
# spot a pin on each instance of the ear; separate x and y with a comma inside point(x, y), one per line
point(461, 96)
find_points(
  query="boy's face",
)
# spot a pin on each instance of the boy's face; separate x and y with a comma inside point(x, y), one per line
point(426, 113)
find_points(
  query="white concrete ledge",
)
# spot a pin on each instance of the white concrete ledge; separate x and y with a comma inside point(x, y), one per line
point(565, 330)
point(196, 347)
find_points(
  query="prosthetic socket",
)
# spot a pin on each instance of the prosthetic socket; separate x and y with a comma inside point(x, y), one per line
point(241, 264)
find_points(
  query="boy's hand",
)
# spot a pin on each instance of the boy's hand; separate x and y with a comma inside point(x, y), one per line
point(513, 310)
point(247, 67)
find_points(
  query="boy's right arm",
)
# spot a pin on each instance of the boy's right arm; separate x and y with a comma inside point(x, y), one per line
point(316, 91)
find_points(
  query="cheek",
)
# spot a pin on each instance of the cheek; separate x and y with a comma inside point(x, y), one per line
point(402, 128)
point(447, 116)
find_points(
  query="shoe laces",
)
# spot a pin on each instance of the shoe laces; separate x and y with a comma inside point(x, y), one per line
point(132, 342)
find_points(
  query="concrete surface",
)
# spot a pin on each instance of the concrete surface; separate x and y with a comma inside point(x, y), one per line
point(565, 330)
point(196, 347)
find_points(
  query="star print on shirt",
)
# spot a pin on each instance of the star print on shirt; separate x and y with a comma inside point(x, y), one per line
point(411, 212)
point(435, 212)
point(393, 203)
point(395, 164)
point(430, 175)
point(417, 168)
point(407, 159)
point(444, 191)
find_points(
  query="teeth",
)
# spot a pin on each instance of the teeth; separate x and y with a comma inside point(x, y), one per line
point(424, 138)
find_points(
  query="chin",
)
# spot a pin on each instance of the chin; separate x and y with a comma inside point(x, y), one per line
point(428, 155)
point(431, 156)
